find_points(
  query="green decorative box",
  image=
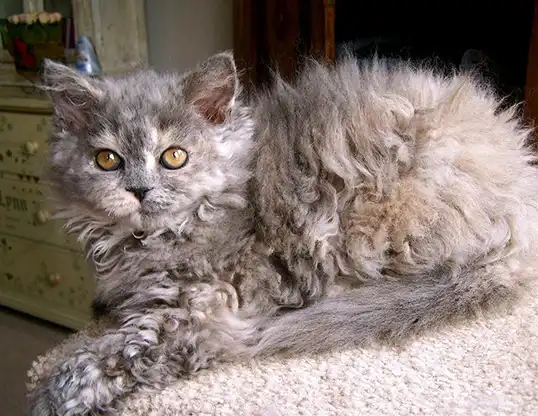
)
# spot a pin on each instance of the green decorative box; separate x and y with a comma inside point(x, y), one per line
point(31, 38)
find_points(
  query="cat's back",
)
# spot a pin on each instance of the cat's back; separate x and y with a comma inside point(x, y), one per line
point(373, 155)
point(377, 122)
point(373, 103)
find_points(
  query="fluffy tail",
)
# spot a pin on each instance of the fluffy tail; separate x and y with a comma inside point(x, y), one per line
point(389, 311)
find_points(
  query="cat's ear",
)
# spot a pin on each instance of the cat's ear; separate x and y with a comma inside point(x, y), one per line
point(72, 94)
point(213, 87)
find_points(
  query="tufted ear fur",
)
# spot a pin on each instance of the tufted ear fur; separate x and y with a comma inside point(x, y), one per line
point(73, 94)
point(213, 87)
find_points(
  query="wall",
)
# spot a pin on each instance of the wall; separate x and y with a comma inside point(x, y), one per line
point(184, 32)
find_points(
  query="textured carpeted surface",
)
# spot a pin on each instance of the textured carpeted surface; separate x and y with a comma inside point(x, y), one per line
point(485, 368)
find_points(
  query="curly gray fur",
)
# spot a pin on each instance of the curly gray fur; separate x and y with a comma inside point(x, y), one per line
point(362, 203)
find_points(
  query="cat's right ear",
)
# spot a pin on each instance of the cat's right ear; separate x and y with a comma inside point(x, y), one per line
point(213, 87)
point(72, 94)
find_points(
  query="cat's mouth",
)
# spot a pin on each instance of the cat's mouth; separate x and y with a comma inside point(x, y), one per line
point(143, 210)
point(145, 216)
point(148, 210)
point(144, 221)
point(139, 234)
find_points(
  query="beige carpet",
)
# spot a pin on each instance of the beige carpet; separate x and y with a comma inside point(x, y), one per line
point(485, 368)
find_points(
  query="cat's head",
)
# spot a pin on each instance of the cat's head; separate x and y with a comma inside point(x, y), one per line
point(146, 150)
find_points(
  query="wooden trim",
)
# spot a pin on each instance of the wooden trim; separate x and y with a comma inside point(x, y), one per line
point(24, 110)
point(26, 105)
point(282, 35)
point(330, 41)
point(68, 319)
point(322, 19)
point(531, 84)
point(245, 40)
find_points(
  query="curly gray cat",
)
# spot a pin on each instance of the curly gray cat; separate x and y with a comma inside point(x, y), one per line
point(361, 203)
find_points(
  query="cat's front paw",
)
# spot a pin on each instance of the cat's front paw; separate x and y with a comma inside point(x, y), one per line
point(78, 387)
point(41, 404)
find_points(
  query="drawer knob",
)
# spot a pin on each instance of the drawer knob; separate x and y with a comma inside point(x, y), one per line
point(31, 147)
point(43, 216)
point(54, 279)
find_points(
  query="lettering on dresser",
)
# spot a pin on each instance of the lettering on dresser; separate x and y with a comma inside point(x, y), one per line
point(12, 203)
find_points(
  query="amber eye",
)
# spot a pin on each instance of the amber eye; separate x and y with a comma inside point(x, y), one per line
point(174, 158)
point(108, 160)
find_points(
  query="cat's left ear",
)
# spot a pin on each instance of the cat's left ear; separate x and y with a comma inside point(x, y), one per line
point(213, 87)
point(73, 95)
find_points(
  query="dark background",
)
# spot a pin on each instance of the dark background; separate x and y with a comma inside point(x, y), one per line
point(496, 35)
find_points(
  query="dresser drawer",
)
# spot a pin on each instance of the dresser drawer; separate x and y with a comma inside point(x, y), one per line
point(42, 271)
point(48, 282)
point(23, 145)
point(24, 212)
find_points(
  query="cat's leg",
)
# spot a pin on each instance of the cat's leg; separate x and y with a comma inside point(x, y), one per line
point(150, 349)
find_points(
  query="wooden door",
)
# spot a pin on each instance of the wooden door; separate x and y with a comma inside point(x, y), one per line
point(277, 34)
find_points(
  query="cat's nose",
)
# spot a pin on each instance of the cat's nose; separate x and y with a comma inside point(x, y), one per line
point(139, 193)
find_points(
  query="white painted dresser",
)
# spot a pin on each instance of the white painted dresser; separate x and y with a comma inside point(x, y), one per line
point(42, 271)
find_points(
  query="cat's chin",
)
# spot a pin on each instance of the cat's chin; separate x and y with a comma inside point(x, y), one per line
point(146, 218)
point(138, 222)
point(133, 221)
point(141, 222)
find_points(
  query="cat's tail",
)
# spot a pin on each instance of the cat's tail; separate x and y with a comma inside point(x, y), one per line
point(391, 311)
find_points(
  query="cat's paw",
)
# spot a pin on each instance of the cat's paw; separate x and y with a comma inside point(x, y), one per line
point(41, 404)
point(78, 387)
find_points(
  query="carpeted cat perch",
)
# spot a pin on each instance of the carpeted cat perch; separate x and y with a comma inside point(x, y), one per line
point(489, 367)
